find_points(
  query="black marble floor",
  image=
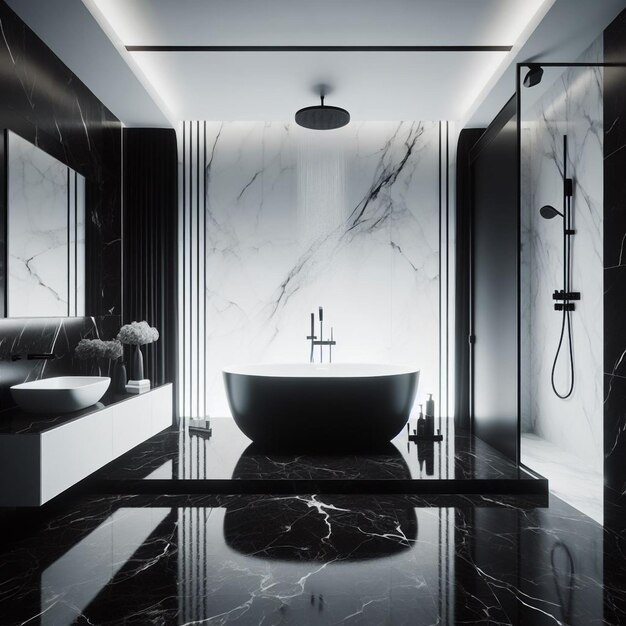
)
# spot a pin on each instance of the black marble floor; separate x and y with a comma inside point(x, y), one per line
point(308, 559)
point(227, 462)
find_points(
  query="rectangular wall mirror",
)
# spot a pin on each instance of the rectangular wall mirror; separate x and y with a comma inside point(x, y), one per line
point(45, 234)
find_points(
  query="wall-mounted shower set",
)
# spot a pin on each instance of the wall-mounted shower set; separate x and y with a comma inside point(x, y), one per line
point(565, 298)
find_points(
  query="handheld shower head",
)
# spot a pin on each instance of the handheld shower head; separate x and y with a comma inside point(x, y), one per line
point(548, 212)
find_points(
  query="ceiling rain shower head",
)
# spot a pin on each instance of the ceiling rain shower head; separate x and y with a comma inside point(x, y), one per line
point(548, 212)
point(322, 117)
point(534, 76)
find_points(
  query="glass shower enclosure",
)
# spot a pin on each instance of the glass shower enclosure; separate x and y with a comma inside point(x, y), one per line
point(560, 139)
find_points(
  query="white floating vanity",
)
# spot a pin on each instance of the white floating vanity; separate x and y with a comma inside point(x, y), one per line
point(42, 456)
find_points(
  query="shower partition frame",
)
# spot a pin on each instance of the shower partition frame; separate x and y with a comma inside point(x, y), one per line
point(518, 115)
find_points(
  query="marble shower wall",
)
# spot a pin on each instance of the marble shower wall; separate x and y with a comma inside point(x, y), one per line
point(572, 106)
point(297, 219)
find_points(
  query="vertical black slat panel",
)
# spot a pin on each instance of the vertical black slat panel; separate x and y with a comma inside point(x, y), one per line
point(75, 243)
point(150, 270)
point(192, 194)
point(4, 214)
point(189, 276)
point(151, 200)
point(204, 191)
point(439, 271)
point(184, 256)
point(69, 256)
point(447, 290)
point(198, 267)
point(145, 262)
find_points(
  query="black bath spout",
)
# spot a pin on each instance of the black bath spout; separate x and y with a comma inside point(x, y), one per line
point(35, 356)
point(321, 342)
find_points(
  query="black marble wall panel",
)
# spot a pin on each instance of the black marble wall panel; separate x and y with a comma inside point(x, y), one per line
point(45, 103)
point(494, 285)
point(615, 305)
point(615, 271)
point(55, 335)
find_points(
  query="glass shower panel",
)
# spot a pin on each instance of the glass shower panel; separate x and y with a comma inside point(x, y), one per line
point(561, 140)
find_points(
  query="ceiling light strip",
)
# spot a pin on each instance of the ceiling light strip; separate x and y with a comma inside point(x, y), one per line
point(318, 48)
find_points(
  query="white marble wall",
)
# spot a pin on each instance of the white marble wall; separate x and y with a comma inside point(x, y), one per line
point(347, 220)
point(572, 106)
point(38, 234)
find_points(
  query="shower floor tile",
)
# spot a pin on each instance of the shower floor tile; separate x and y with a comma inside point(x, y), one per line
point(571, 479)
point(228, 462)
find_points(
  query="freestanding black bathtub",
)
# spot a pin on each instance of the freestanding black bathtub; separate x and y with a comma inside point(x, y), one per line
point(321, 406)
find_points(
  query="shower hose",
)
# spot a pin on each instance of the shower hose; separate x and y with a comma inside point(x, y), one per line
point(566, 322)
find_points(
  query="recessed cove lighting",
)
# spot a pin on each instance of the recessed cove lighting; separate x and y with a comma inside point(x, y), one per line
point(322, 117)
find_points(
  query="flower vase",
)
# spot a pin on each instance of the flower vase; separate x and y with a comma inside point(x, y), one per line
point(137, 363)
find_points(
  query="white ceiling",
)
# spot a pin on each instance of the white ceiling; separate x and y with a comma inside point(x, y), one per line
point(273, 85)
point(158, 89)
point(318, 22)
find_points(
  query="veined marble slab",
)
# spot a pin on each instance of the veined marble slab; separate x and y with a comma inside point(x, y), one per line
point(46, 234)
point(573, 106)
point(346, 220)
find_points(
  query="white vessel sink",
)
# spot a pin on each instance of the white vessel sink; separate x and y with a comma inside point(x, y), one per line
point(62, 394)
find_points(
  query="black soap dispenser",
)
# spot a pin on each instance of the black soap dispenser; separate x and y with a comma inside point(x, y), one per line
point(421, 423)
point(430, 416)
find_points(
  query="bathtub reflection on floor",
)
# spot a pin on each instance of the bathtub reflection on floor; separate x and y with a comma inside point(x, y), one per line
point(321, 528)
point(309, 559)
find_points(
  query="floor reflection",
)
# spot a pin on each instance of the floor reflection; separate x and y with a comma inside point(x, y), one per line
point(227, 454)
point(328, 529)
point(383, 463)
point(313, 559)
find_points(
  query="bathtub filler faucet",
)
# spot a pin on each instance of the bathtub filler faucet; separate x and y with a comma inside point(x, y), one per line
point(321, 342)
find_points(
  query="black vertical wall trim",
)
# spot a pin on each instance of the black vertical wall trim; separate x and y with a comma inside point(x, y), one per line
point(198, 266)
point(518, 155)
point(151, 242)
point(439, 271)
point(204, 191)
point(69, 254)
point(75, 243)
point(190, 254)
point(462, 326)
point(184, 279)
point(4, 214)
point(447, 269)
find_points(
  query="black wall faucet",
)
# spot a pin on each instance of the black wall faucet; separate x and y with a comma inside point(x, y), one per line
point(321, 342)
point(35, 356)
